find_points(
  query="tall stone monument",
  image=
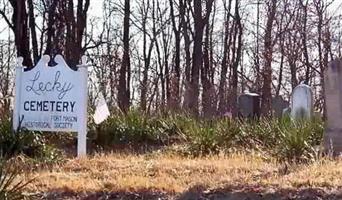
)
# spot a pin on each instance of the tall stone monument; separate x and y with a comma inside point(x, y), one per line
point(333, 102)
point(301, 102)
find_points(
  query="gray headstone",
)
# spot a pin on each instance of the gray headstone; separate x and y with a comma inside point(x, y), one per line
point(249, 105)
point(333, 102)
point(278, 106)
point(301, 102)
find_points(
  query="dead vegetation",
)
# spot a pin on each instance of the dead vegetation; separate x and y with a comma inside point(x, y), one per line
point(168, 176)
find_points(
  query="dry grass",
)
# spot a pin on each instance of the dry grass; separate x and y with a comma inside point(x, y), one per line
point(175, 175)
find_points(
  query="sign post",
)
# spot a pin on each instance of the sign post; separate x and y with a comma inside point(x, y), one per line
point(52, 98)
point(18, 72)
point(82, 132)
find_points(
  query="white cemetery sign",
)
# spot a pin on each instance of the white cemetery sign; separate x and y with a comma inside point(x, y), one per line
point(301, 102)
point(52, 98)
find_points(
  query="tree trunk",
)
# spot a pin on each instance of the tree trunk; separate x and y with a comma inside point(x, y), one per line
point(21, 31)
point(32, 24)
point(266, 105)
point(124, 86)
point(197, 59)
point(238, 32)
point(207, 87)
point(222, 107)
point(186, 102)
point(304, 41)
point(75, 27)
point(173, 104)
point(50, 31)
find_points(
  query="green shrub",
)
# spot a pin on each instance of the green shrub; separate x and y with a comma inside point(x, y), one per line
point(132, 128)
point(203, 138)
point(22, 141)
point(297, 141)
point(262, 133)
point(210, 137)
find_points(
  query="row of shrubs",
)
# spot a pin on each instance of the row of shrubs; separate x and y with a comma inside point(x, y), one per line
point(283, 139)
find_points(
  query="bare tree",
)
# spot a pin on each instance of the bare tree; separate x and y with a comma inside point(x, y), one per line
point(199, 23)
point(124, 79)
point(20, 28)
point(266, 105)
point(174, 98)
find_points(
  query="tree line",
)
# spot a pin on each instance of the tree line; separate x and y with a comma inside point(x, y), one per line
point(178, 55)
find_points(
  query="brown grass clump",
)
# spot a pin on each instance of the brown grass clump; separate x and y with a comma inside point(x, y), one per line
point(177, 176)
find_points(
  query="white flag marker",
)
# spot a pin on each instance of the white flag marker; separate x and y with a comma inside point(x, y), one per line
point(101, 111)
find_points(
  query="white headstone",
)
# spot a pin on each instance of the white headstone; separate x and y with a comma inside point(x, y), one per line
point(301, 102)
point(52, 98)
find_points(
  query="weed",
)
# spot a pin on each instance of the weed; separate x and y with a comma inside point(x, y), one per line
point(10, 187)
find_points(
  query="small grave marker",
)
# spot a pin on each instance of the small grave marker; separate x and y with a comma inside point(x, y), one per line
point(249, 105)
point(301, 102)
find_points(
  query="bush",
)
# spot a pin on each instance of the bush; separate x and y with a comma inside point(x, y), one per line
point(22, 141)
point(259, 134)
point(203, 138)
point(210, 137)
point(298, 140)
point(132, 128)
